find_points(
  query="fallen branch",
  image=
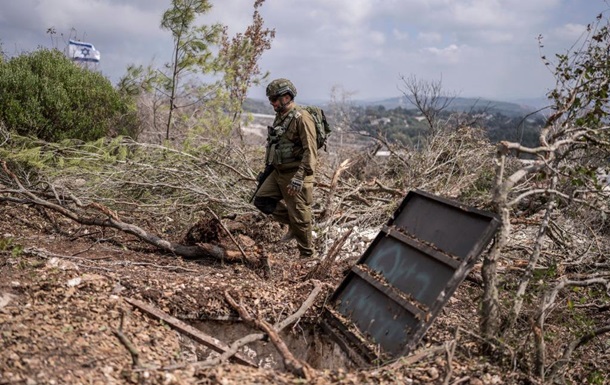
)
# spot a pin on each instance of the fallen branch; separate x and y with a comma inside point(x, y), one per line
point(45, 254)
point(135, 355)
point(188, 330)
point(243, 253)
point(112, 220)
point(328, 208)
point(295, 366)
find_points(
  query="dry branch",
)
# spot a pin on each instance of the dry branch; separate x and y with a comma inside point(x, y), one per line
point(416, 357)
point(295, 366)
point(259, 336)
point(187, 329)
point(135, 354)
point(328, 208)
point(450, 352)
point(111, 219)
point(322, 269)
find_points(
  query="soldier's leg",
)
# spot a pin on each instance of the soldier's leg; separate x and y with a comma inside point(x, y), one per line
point(268, 199)
point(299, 213)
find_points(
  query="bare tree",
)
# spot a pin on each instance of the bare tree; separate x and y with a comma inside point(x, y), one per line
point(428, 97)
point(559, 174)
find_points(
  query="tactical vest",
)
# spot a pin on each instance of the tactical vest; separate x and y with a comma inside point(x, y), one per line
point(281, 150)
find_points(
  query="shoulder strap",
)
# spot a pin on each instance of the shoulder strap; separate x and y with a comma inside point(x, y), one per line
point(289, 117)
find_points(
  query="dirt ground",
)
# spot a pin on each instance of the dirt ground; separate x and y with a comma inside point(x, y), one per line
point(64, 318)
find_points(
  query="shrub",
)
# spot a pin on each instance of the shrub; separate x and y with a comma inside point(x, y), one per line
point(46, 96)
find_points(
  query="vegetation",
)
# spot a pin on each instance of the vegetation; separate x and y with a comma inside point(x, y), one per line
point(44, 95)
point(202, 90)
point(192, 51)
point(239, 62)
point(559, 180)
point(543, 287)
point(408, 126)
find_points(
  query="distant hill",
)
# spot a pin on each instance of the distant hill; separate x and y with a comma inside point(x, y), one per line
point(518, 108)
point(258, 106)
point(510, 109)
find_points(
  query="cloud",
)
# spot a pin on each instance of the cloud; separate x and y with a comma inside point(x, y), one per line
point(570, 31)
point(451, 52)
point(429, 37)
point(482, 46)
point(400, 35)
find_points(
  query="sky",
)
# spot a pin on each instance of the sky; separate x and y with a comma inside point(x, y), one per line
point(363, 48)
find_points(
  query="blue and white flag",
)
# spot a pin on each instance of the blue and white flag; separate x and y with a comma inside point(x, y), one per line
point(80, 51)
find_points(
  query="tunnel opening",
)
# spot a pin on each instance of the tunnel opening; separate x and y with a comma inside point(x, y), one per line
point(305, 340)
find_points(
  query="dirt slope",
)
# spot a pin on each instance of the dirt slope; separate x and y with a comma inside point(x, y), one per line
point(63, 310)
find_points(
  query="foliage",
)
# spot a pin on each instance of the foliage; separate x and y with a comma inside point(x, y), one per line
point(203, 89)
point(239, 58)
point(45, 95)
point(408, 127)
point(192, 51)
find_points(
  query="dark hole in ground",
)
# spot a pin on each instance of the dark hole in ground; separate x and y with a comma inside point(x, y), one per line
point(306, 341)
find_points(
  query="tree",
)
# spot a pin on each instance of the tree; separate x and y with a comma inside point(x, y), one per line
point(192, 50)
point(559, 174)
point(428, 98)
point(239, 58)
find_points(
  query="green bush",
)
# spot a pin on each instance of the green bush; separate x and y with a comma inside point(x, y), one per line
point(45, 95)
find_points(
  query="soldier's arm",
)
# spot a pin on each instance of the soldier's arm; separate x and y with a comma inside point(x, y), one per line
point(307, 133)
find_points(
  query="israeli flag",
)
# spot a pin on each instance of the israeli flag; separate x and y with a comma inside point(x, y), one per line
point(80, 51)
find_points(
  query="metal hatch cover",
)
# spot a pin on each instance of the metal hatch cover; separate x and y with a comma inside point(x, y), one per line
point(391, 296)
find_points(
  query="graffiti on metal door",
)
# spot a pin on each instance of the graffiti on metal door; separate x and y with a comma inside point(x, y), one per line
point(392, 295)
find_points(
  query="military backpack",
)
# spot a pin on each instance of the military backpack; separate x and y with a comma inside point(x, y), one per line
point(323, 129)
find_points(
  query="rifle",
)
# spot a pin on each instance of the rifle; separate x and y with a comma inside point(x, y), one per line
point(261, 179)
point(273, 137)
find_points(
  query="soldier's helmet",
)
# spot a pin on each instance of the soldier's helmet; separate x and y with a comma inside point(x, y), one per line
point(279, 87)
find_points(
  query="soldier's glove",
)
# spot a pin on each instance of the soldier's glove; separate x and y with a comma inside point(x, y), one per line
point(296, 183)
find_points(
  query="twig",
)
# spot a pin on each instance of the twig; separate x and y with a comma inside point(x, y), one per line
point(461, 380)
point(295, 366)
point(322, 269)
point(450, 350)
point(135, 355)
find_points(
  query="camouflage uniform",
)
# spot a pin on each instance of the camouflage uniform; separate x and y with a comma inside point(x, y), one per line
point(290, 152)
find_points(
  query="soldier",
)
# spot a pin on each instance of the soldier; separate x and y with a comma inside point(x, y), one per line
point(287, 192)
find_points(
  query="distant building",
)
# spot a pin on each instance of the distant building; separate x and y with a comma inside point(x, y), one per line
point(381, 121)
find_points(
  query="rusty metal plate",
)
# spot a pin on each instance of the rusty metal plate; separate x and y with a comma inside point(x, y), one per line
point(454, 228)
point(392, 295)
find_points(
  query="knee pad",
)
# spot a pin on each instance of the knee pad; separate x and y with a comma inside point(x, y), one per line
point(265, 205)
